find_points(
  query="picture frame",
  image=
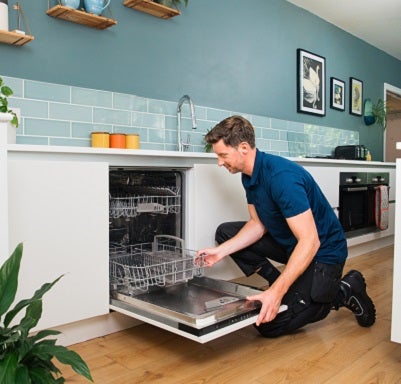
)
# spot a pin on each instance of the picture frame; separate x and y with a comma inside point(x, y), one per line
point(337, 94)
point(356, 96)
point(311, 86)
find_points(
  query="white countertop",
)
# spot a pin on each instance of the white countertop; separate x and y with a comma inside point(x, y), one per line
point(157, 155)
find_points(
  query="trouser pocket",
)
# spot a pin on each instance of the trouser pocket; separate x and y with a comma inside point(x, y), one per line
point(326, 282)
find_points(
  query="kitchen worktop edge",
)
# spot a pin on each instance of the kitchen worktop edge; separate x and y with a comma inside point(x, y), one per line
point(168, 154)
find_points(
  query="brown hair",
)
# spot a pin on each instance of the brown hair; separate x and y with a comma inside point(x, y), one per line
point(233, 131)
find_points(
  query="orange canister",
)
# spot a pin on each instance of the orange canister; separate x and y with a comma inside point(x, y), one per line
point(100, 139)
point(132, 141)
point(117, 140)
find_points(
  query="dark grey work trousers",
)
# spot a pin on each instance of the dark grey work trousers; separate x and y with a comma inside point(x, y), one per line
point(309, 299)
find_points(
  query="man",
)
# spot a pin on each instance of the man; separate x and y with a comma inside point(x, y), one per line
point(290, 222)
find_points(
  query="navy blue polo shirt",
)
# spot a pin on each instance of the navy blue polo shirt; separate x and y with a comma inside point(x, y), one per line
point(280, 189)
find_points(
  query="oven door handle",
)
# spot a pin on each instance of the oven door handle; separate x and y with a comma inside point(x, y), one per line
point(355, 189)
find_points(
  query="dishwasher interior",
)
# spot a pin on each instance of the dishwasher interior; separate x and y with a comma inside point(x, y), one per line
point(153, 276)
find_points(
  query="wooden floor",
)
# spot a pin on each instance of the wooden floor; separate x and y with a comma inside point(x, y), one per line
point(335, 350)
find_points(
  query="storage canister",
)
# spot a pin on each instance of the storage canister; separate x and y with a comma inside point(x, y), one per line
point(100, 139)
point(117, 140)
point(4, 15)
point(132, 141)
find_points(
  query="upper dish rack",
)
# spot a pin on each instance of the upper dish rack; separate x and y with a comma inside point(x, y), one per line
point(156, 200)
point(138, 267)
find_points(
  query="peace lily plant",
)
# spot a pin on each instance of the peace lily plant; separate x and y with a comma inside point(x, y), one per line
point(5, 92)
point(24, 358)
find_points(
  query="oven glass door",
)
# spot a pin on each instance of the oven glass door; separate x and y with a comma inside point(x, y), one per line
point(354, 207)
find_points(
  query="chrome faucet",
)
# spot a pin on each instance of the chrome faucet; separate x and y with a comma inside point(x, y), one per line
point(184, 146)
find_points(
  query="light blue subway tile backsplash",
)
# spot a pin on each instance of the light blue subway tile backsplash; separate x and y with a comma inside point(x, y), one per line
point(84, 96)
point(17, 85)
point(111, 116)
point(47, 91)
point(31, 108)
point(130, 102)
point(49, 128)
point(70, 112)
point(55, 114)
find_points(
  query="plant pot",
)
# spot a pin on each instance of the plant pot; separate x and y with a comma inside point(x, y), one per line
point(5, 119)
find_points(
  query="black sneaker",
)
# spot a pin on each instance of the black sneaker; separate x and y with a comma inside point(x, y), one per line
point(356, 298)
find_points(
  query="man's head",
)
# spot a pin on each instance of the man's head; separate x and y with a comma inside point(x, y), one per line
point(233, 141)
point(233, 131)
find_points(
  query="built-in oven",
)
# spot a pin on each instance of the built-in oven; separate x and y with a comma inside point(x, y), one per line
point(363, 202)
point(153, 276)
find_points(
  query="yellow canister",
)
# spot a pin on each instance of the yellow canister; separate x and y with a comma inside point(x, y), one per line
point(100, 139)
point(117, 140)
point(132, 141)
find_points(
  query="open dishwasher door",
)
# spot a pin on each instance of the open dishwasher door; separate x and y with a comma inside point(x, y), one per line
point(161, 284)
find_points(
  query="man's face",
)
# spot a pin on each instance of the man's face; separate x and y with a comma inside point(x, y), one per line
point(229, 157)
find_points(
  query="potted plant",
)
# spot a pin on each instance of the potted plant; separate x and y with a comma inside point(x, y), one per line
point(5, 92)
point(26, 358)
point(172, 3)
point(379, 112)
point(375, 113)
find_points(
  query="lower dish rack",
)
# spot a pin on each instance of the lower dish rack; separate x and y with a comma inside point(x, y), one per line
point(136, 268)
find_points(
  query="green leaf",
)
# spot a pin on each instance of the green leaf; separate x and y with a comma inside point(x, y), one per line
point(8, 369)
point(42, 334)
point(71, 358)
point(23, 303)
point(32, 316)
point(14, 120)
point(6, 91)
point(9, 279)
point(39, 375)
point(22, 375)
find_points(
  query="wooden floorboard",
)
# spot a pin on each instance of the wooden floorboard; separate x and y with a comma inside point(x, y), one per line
point(335, 350)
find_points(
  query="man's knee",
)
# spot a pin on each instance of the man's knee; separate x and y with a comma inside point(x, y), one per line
point(226, 231)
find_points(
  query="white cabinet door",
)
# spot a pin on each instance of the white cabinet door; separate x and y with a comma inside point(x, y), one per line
point(214, 196)
point(59, 210)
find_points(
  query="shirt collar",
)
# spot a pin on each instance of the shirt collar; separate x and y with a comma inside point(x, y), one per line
point(249, 181)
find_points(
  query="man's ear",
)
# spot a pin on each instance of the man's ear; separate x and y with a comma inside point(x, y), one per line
point(244, 147)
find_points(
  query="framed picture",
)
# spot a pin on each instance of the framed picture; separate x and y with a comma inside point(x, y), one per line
point(356, 96)
point(311, 87)
point(337, 94)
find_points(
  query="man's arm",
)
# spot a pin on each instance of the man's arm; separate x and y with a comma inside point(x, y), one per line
point(251, 232)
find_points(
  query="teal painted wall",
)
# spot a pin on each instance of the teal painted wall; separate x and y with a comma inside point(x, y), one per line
point(226, 54)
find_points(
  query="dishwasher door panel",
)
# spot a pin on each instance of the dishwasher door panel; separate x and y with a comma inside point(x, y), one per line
point(201, 309)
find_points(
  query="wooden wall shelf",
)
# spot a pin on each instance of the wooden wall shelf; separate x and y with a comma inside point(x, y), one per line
point(154, 9)
point(14, 38)
point(80, 17)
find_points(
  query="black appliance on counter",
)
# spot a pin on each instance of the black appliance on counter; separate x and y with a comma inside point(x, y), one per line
point(350, 152)
point(358, 201)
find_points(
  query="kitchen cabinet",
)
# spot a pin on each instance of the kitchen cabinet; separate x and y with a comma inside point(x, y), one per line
point(215, 196)
point(57, 200)
point(59, 210)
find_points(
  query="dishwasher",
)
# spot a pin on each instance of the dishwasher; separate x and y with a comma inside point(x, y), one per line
point(153, 276)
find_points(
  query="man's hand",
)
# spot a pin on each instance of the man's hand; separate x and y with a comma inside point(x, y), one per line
point(270, 306)
point(210, 256)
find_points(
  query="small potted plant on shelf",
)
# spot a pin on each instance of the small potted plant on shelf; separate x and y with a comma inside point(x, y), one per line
point(6, 92)
point(26, 358)
point(172, 3)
